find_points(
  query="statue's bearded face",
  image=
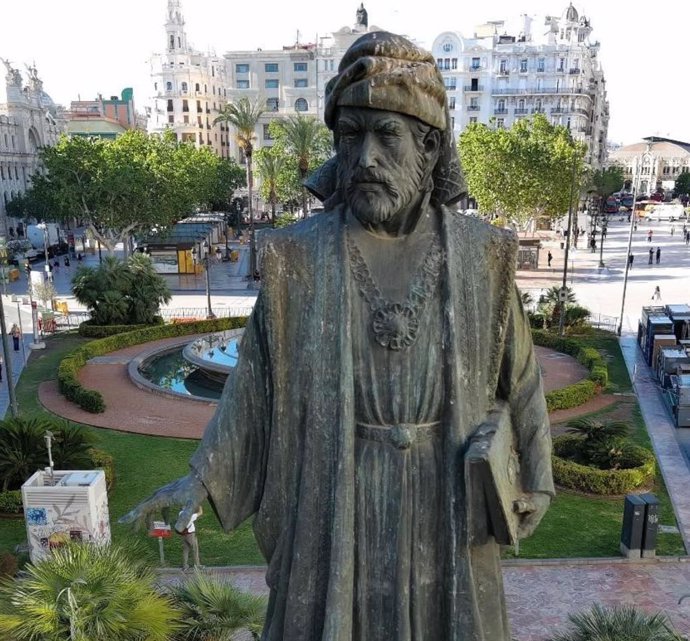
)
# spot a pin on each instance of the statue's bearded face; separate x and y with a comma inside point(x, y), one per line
point(383, 161)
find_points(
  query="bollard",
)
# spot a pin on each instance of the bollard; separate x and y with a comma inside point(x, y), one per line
point(633, 526)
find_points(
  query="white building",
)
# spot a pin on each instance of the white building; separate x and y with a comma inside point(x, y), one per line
point(29, 120)
point(509, 70)
point(189, 89)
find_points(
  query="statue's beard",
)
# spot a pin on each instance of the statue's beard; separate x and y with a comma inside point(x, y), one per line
point(377, 195)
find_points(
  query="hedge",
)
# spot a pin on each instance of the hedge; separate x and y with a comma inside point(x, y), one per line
point(582, 391)
point(582, 478)
point(88, 330)
point(91, 400)
point(11, 502)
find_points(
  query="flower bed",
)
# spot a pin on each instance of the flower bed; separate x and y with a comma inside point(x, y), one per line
point(637, 470)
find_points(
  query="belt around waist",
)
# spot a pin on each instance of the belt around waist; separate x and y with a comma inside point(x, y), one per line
point(401, 436)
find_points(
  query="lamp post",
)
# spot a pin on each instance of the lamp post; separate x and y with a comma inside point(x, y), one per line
point(48, 436)
point(646, 156)
point(44, 228)
point(563, 294)
point(204, 249)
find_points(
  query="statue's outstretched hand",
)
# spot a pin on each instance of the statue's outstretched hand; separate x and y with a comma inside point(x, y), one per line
point(187, 492)
point(531, 509)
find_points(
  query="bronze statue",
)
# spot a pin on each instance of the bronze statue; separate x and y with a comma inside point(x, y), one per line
point(362, 16)
point(385, 423)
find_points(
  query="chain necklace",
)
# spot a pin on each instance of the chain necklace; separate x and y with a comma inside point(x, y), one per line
point(395, 325)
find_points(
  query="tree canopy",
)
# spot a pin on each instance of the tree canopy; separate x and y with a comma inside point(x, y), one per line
point(131, 183)
point(607, 181)
point(682, 185)
point(524, 172)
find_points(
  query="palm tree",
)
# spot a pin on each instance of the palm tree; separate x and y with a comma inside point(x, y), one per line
point(594, 430)
point(550, 303)
point(603, 441)
point(213, 609)
point(86, 592)
point(624, 623)
point(244, 116)
point(269, 166)
point(303, 138)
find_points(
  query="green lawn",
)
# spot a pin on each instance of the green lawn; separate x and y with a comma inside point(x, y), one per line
point(575, 526)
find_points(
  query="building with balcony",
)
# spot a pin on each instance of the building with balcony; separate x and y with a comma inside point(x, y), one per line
point(189, 89)
point(512, 69)
point(29, 120)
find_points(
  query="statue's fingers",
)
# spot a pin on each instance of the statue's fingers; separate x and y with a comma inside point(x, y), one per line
point(186, 515)
point(142, 513)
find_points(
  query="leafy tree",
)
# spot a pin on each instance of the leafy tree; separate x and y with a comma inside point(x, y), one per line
point(605, 182)
point(244, 116)
point(624, 623)
point(523, 172)
point(682, 185)
point(213, 609)
point(269, 164)
point(121, 293)
point(86, 592)
point(120, 186)
point(228, 177)
point(306, 139)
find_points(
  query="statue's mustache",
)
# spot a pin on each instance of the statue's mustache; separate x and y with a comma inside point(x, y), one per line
point(369, 176)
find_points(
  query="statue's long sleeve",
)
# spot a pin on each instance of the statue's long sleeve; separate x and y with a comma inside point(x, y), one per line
point(520, 384)
point(231, 460)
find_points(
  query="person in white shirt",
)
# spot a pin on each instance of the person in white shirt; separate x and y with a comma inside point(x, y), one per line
point(189, 541)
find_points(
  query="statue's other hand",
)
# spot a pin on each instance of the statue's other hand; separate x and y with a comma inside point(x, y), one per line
point(531, 509)
point(187, 492)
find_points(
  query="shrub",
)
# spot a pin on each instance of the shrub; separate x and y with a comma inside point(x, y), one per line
point(582, 478)
point(88, 329)
point(576, 315)
point(91, 400)
point(618, 623)
point(11, 502)
point(103, 460)
point(571, 396)
point(600, 375)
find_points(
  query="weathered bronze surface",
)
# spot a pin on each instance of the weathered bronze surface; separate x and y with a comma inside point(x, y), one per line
point(387, 333)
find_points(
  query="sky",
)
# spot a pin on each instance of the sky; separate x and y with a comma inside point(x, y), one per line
point(82, 48)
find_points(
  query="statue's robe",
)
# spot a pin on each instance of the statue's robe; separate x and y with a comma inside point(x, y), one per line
point(283, 444)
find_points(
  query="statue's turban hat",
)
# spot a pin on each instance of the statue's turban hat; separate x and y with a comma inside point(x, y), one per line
point(385, 71)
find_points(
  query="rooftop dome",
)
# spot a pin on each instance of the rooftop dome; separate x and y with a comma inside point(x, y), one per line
point(570, 14)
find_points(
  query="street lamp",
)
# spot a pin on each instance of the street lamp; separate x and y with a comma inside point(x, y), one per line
point(48, 436)
point(44, 228)
point(646, 158)
point(204, 255)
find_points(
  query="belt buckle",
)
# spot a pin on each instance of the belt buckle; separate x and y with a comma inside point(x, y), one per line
point(403, 435)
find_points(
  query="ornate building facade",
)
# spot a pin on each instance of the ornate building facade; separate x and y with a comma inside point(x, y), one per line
point(190, 88)
point(29, 120)
point(510, 70)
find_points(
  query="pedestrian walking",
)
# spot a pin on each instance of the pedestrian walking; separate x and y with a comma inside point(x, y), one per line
point(658, 255)
point(189, 542)
point(649, 236)
point(673, 229)
point(16, 334)
point(651, 255)
point(549, 258)
point(66, 261)
point(1, 363)
point(631, 259)
point(687, 237)
point(657, 293)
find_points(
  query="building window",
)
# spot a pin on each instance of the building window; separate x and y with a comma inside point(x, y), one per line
point(272, 104)
point(243, 84)
point(170, 107)
point(452, 122)
point(199, 109)
point(271, 83)
point(300, 66)
point(301, 83)
point(168, 86)
point(541, 64)
point(171, 119)
point(447, 47)
point(197, 88)
point(439, 63)
point(267, 133)
point(503, 66)
point(242, 68)
point(301, 105)
point(561, 64)
point(271, 67)
point(453, 63)
point(523, 65)
point(475, 64)
point(155, 86)
point(185, 105)
point(446, 63)
point(473, 119)
point(451, 103)
point(184, 87)
point(474, 103)
point(185, 119)
point(500, 123)
point(450, 83)
point(501, 105)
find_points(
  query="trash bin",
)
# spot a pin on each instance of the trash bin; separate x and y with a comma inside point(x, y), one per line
point(633, 527)
point(562, 245)
point(234, 256)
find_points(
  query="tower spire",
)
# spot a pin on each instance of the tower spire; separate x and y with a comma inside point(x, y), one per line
point(176, 38)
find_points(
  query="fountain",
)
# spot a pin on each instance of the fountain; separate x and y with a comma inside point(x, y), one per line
point(194, 370)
